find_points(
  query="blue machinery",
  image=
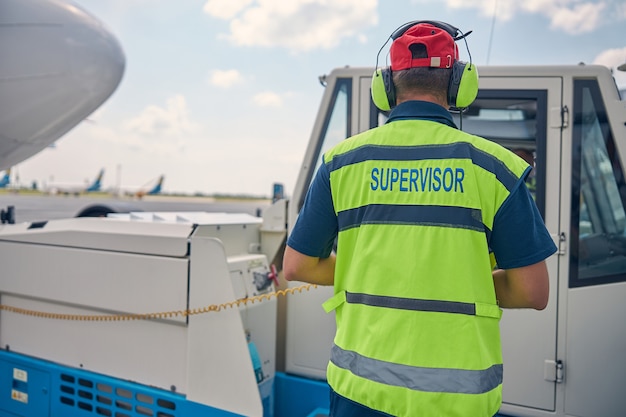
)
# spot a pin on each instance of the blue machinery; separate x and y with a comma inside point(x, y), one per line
point(32, 387)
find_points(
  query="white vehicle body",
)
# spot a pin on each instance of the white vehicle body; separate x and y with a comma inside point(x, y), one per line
point(568, 359)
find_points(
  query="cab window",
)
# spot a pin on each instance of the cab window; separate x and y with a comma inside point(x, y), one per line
point(598, 226)
point(336, 125)
point(338, 121)
point(517, 121)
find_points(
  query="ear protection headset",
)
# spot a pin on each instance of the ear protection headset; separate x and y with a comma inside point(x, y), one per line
point(463, 84)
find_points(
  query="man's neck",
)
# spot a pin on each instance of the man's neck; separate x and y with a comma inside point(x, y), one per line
point(423, 97)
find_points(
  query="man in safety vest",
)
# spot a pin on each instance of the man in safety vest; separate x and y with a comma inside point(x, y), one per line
point(418, 207)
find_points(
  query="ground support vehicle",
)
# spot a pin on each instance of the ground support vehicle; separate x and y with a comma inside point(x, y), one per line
point(210, 281)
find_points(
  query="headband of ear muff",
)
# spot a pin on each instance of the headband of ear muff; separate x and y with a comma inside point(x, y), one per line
point(452, 30)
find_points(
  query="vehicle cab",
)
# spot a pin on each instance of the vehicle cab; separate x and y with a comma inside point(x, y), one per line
point(568, 359)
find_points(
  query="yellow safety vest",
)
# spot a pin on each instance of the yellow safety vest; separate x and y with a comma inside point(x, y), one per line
point(416, 311)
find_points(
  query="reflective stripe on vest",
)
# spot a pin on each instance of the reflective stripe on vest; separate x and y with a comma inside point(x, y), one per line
point(436, 306)
point(445, 216)
point(457, 381)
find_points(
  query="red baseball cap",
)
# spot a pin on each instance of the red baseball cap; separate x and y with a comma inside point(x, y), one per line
point(441, 50)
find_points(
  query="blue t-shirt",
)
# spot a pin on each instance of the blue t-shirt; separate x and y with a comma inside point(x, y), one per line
point(519, 236)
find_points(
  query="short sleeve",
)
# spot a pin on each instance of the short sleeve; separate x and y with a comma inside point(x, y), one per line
point(316, 227)
point(519, 236)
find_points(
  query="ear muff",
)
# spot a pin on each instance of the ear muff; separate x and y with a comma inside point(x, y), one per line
point(463, 86)
point(382, 90)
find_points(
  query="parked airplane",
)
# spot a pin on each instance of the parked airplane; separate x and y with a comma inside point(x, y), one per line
point(65, 189)
point(152, 191)
point(157, 188)
point(59, 64)
point(5, 181)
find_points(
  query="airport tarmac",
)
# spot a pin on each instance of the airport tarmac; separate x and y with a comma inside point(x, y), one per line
point(31, 208)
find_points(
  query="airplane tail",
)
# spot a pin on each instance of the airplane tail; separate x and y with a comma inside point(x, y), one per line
point(95, 186)
point(153, 191)
point(157, 187)
point(6, 179)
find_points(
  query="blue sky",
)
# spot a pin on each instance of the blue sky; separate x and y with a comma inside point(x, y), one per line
point(221, 95)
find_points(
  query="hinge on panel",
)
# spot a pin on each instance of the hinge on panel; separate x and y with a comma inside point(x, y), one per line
point(558, 117)
point(564, 117)
point(562, 244)
point(553, 370)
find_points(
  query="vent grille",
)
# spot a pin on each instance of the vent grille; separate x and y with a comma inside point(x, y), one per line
point(109, 400)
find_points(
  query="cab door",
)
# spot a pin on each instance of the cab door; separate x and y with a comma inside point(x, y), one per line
point(525, 115)
point(594, 380)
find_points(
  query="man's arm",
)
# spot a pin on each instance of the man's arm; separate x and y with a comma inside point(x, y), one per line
point(300, 267)
point(525, 287)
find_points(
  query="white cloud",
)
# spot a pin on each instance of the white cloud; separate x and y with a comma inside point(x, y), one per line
point(225, 78)
point(268, 99)
point(170, 120)
point(582, 18)
point(298, 25)
point(160, 130)
point(613, 58)
point(570, 16)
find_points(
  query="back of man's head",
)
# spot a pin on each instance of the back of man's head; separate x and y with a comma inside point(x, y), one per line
point(421, 62)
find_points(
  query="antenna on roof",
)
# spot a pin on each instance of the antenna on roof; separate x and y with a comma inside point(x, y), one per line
point(493, 23)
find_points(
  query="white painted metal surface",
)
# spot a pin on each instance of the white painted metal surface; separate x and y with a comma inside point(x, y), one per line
point(146, 263)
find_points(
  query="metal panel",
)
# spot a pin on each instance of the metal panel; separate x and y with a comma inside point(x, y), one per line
point(101, 281)
point(307, 351)
point(595, 377)
point(155, 238)
point(147, 351)
point(24, 390)
point(85, 282)
point(57, 279)
point(219, 367)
